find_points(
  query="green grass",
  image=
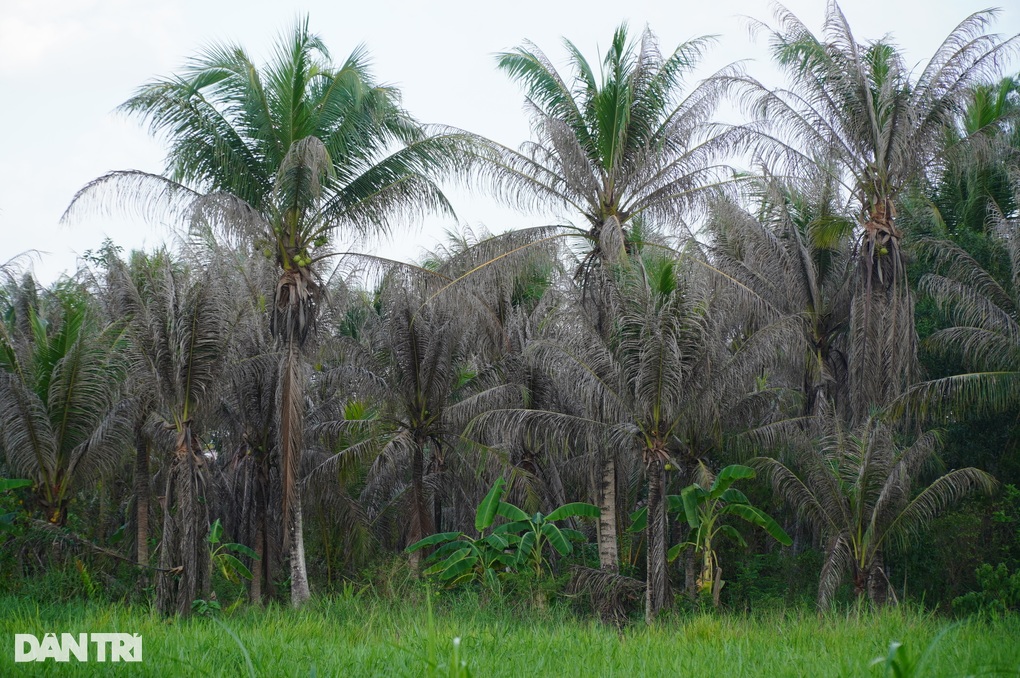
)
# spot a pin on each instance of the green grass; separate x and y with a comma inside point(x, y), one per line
point(367, 636)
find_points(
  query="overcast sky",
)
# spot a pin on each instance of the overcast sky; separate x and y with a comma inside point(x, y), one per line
point(66, 64)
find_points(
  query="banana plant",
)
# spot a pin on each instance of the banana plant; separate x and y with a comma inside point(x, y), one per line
point(518, 543)
point(705, 511)
point(535, 531)
point(232, 568)
point(462, 558)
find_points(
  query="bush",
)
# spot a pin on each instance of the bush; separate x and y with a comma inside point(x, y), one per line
point(1000, 592)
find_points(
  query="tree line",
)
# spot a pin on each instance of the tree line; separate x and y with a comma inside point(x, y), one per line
point(688, 326)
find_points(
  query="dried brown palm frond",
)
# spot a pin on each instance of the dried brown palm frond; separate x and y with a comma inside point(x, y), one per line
point(431, 348)
point(792, 260)
point(612, 595)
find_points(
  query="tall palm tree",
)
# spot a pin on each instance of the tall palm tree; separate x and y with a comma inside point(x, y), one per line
point(283, 155)
point(610, 147)
point(858, 112)
point(64, 422)
point(613, 147)
point(856, 490)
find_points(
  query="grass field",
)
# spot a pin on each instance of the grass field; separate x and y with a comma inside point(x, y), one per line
point(361, 635)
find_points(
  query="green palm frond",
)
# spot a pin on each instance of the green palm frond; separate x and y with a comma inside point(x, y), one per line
point(65, 423)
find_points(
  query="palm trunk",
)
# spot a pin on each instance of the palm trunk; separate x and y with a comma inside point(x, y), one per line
point(420, 522)
point(255, 589)
point(261, 568)
point(609, 551)
point(291, 423)
point(437, 494)
point(657, 583)
point(877, 582)
point(690, 574)
point(141, 498)
point(298, 573)
point(185, 565)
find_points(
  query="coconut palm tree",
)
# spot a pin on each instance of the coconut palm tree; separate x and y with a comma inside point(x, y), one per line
point(976, 184)
point(653, 389)
point(178, 334)
point(282, 156)
point(855, 488)
point(856, 111)
point(64, 422)
point(614, 147)
point(790, 260)
point(984, 332)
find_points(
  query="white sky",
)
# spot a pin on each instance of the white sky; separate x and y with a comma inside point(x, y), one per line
point(66, 64)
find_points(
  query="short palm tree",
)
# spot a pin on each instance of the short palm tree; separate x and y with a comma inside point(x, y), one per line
point(856, 111)
point(430, 332)
point(856, 489)
point(790, 261)
point(283, 156)
point(64, 422)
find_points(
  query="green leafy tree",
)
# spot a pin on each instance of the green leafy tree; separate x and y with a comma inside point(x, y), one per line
point(706, 511)
point(518, 543)
point(536, 530)
point(460, 557)
point(230, 567)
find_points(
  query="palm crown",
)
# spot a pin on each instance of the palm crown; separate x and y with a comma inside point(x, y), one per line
point(615, 145)
point(303, 143)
